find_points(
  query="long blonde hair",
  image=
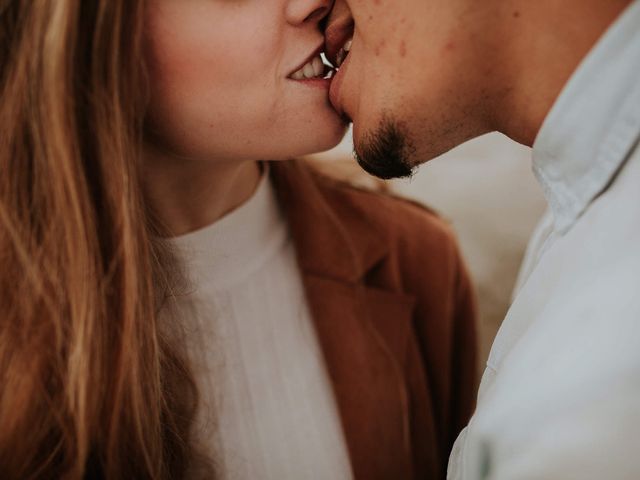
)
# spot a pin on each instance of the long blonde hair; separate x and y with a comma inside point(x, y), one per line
point(91, 384)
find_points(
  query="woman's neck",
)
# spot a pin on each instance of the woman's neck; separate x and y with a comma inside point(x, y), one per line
point(190, 194)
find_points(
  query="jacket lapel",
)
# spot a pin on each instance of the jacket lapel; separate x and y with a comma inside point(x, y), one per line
point(363, 331)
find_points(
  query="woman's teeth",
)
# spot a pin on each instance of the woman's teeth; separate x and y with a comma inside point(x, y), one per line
point(317, 68)
point(344, 51)
point(313, 69)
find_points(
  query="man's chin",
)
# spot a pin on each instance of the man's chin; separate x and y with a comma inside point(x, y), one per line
point(386, 153)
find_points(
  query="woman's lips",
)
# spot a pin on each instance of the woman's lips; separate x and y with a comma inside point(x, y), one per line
point(311, 67)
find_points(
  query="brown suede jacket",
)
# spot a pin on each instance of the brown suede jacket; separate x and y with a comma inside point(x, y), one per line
point(395, 315)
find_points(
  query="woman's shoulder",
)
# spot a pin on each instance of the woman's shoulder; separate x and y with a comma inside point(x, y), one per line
point(405, 221)
point(331, 219)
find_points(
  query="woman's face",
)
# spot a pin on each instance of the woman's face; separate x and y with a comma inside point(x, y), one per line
point(226, 83)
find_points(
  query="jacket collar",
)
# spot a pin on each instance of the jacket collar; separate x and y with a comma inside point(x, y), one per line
point(319, 233)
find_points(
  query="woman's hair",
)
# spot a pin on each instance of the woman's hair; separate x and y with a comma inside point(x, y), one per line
point(92, 385)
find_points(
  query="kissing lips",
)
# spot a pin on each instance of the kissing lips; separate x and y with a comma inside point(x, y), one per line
point(339, 31)
point(338, 40)
point(312, 68)
point(335, 92)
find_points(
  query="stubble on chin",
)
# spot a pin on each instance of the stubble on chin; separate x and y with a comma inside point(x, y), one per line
point(387, 153)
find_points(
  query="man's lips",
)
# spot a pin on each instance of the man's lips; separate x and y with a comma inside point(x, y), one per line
point(335, 95)
point(339, 29)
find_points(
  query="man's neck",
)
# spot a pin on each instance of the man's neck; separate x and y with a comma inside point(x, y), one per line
point(189, 194)
point(547, 41)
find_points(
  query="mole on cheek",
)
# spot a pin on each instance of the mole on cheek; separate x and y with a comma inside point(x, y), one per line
point(516, 14)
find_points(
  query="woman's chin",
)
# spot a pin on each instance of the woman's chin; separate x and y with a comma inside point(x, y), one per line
point(328, 139)
point(303, 144)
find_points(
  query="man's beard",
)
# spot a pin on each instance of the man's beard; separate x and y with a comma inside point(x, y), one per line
point(386, 153)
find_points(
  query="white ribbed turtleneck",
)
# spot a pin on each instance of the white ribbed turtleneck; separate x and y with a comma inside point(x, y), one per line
point(267, 406)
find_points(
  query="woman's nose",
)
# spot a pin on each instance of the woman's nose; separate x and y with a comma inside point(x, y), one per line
point(307, 11)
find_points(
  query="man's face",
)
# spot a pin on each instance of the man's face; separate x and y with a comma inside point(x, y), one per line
point(414, 79)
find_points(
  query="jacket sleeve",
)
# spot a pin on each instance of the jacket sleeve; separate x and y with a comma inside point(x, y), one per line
point(445, 317)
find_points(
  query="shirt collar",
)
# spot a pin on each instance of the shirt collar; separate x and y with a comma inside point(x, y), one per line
point(594, 125)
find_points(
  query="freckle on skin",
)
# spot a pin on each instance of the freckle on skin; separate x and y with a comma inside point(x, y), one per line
point(516, 14)
point(403, 49)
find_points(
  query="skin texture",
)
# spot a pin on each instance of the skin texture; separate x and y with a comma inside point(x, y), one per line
point(440, 72)
point(221, 101)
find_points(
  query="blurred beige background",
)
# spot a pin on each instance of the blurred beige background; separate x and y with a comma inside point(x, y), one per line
point(485, 188)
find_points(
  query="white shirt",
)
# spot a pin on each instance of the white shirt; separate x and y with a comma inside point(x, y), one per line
point(560, 397)
point(267, 406)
